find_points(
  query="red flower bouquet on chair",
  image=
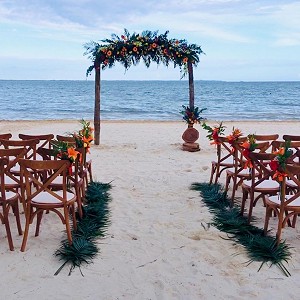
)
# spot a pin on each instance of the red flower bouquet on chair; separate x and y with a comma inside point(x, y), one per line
point(248, 146)
point(214, 132)
point(279, 162)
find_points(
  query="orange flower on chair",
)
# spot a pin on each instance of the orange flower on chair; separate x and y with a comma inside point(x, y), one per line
point(279, 162)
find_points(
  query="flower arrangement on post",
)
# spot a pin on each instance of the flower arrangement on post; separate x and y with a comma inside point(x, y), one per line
point(249, 146)
point(192, 115)
point(279, 162)
point(214, 132)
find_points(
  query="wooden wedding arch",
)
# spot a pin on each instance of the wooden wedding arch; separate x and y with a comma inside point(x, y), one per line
point(130, 49)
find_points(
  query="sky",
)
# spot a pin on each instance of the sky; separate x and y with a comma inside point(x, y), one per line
point(243, 40)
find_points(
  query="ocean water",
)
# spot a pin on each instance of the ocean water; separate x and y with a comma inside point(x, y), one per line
point(148, 100)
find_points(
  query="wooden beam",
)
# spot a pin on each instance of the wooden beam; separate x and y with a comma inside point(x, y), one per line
point(191, 86)
point(97, 106)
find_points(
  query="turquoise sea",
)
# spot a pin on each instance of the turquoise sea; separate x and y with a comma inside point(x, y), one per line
point(148, 100)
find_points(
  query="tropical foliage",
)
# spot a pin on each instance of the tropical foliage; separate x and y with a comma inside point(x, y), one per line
point(228, 219)
point(192, 115)
point(129, 49)
point(90, 227)
point(279, 162)
point(214, 132)
point(84, 136)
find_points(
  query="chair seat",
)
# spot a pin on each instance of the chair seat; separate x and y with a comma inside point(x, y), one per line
point(243, 172)
point(228, 162)
point(10, 196)
point(269, 185)
point(46, 198)
point(10, 183)
point(276, 200)
point(291, 183)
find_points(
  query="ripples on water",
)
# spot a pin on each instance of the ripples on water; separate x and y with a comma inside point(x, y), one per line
point(148, 100)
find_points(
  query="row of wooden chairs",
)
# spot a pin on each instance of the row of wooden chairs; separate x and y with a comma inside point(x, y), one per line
point(30, 173)
point(257, 182)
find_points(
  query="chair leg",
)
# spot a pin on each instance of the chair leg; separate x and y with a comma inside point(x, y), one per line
point(25, 236)
point(213, 169)
point(38, 222)
point(279, 227)
point(67, 220)
point(267, 218)
point(90, 172)
point(7, 226)
point(17, 215)
point(244, 198)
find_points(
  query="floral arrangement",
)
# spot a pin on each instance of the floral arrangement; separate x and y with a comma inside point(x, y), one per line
point(214, 132)
point(149, 46)
point(249, 146)
point(279, 162)
point(65, 151)
point(192, 115)
point(235, 134)
point(84, 136)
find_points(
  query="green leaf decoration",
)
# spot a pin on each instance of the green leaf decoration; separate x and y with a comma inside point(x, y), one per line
point(259, 247)
point(90, 228)
point(128, 49)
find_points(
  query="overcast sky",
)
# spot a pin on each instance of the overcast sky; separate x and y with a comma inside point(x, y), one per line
point(243, 40)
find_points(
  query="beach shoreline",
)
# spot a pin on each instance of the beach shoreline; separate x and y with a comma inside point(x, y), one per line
point(158, 245)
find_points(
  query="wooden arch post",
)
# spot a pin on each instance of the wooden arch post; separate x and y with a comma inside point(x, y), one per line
point(191, 86)
point(97, 106)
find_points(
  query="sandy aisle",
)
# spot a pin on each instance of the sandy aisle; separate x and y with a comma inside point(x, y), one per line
point(156, 247)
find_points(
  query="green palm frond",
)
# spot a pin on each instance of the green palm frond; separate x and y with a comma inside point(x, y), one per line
point(259, 247)
point(92, 226)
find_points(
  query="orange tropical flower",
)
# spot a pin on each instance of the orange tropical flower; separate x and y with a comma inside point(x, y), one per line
point(185, 60)
point(280, 151)
point(135, 49)
point(279, 175)
point(109, 53)
point(72, 153)
point(154, 45)
point(86, 141)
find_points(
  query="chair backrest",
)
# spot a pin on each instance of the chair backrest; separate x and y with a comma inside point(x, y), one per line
point(46, 153)
point(294, 145)
point(29, 145)
point(5, 136)
point(69, 139)
point(50, 170)
point(13, 157)
point(259, 165)
point(3, 162)
point(44, 139)
point(288, 137)
point(266, 137)
point(293, 174)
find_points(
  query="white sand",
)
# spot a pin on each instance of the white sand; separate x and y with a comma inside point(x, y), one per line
point(156, 246)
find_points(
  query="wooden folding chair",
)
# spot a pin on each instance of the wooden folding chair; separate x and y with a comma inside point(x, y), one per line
point(225, 158)
point(75, 180)
point(43, 197)
point(239, 172)
point(285, 206)
point(262, 185)
point(44, 139)
point(88, 164)
point(8, 199)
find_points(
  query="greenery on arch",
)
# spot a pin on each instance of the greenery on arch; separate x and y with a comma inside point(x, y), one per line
point(129, 49)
